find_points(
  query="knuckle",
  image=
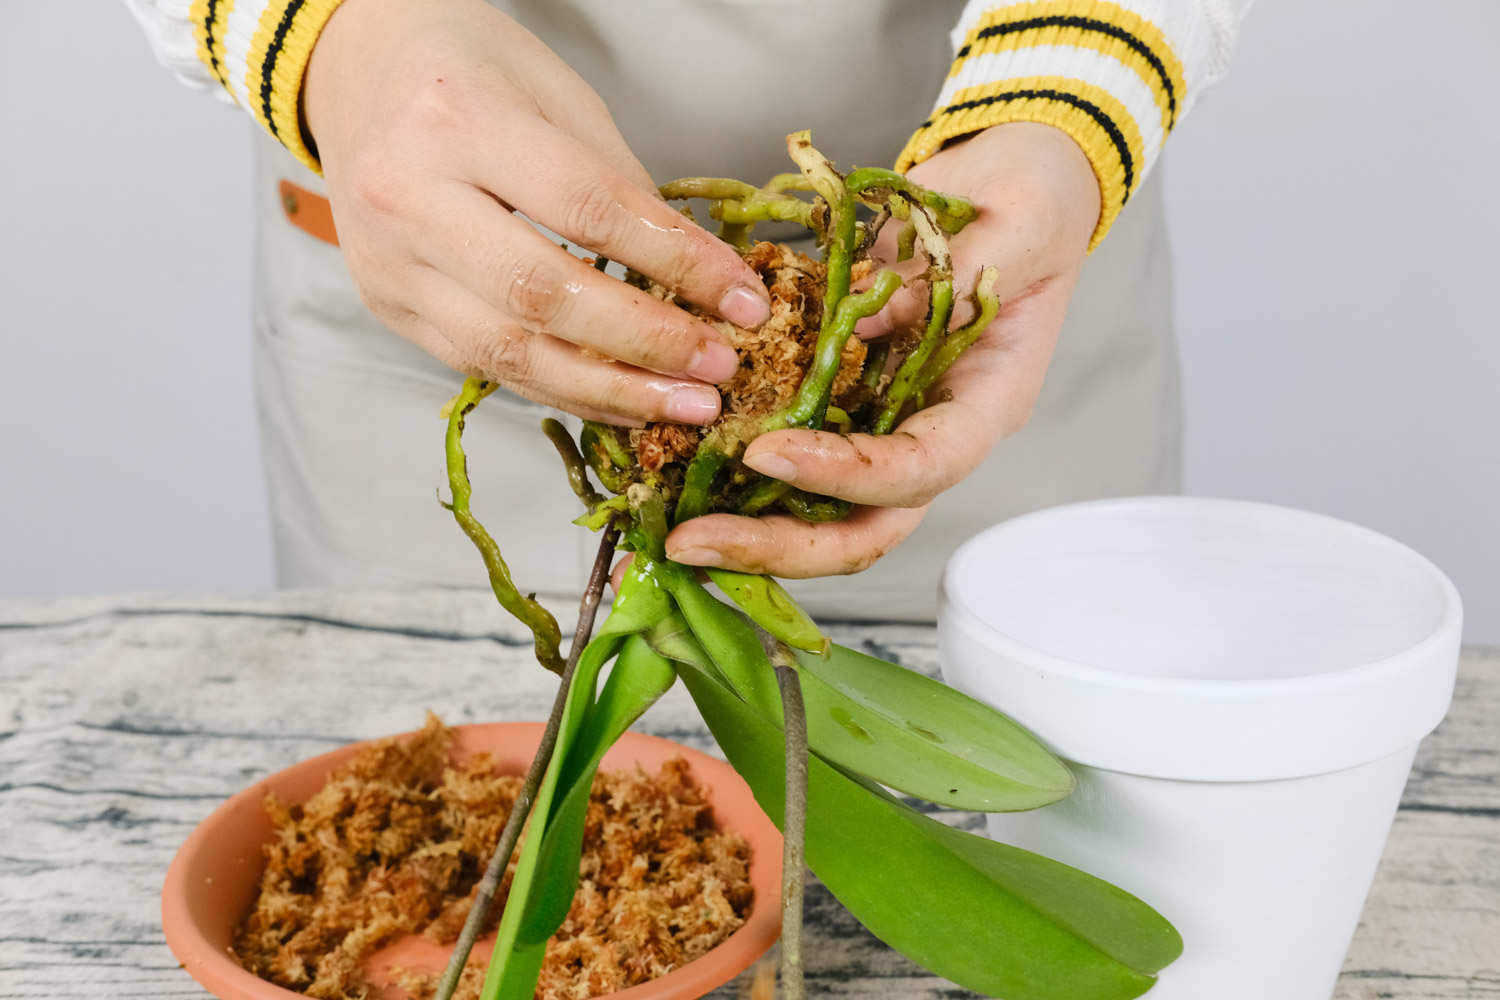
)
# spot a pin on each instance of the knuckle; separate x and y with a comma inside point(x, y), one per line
point(927, 471)
point(664, 343)
point(505, 355)
point(760, 549)
point(531, 290)
point(592, 215)
point(698, 262)
point(617, 394)
point(437, 107)
point(377, 184)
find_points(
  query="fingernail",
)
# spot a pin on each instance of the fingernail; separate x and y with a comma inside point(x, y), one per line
point(697, 557)
point(744, 307)
point(768, 463)
point(713, 361)
point(693, 406)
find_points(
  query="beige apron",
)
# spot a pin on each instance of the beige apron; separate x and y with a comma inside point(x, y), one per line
point(349, 411)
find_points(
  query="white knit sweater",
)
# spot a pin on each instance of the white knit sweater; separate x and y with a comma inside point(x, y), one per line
point(1116, 75)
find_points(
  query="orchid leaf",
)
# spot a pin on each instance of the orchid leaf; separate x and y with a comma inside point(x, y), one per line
point(514, 965)
point(672, 638)
point(728, 639)
point(638, 678)
point(920, 736)
point(772, 608)
point(992, 918)
point(877, 719)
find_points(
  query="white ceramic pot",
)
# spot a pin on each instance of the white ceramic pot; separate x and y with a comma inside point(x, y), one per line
point(1241, 689)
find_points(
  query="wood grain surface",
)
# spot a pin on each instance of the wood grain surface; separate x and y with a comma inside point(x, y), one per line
point(125, 721)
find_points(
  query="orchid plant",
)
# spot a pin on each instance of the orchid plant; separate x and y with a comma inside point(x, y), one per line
point(824, 735)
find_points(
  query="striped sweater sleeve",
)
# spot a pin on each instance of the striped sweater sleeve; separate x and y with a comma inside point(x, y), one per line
point(254, 51)
point(1116, 76)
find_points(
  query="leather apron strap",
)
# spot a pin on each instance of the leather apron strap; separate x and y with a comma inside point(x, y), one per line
point(308, 211)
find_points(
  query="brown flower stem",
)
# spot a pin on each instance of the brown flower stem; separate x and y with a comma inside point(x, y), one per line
point(794, 816)
point(494, 873)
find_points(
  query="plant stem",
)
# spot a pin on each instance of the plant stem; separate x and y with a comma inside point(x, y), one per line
point(906, 242)
point(794, 817)
point(495, 871)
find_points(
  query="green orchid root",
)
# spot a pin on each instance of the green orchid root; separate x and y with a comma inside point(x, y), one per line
point(986, 308)
point(713, 480)
point(573, 462)
point(544, 629)
point(939, 309)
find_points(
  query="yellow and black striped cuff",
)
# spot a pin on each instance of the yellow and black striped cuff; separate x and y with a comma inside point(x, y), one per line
point(1104, 74)
point(258, 51)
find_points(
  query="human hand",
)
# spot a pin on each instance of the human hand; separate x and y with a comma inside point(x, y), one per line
point(1039, 204)
point(435, 121)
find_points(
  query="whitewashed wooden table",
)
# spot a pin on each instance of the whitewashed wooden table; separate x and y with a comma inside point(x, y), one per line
point(125, 721)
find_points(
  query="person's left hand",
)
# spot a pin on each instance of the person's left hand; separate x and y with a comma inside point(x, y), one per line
point(1039, 203)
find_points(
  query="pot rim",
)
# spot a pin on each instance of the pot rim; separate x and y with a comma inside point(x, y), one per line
point(1202, 728)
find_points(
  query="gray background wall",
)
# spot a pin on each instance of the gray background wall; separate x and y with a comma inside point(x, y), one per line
point(1334, 208)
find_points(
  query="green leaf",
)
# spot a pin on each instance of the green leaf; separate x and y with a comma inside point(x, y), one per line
point(1105, 915)
point(672, 638)
point(920, 736)
point(520, 972)
point(640, 603)
point(991, 918)
point(891, 724)
point(772, 608)
point(727, 637)
point(638, 678)
point(511, 975)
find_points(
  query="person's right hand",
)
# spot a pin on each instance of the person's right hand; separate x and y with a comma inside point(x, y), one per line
point(434, 120)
